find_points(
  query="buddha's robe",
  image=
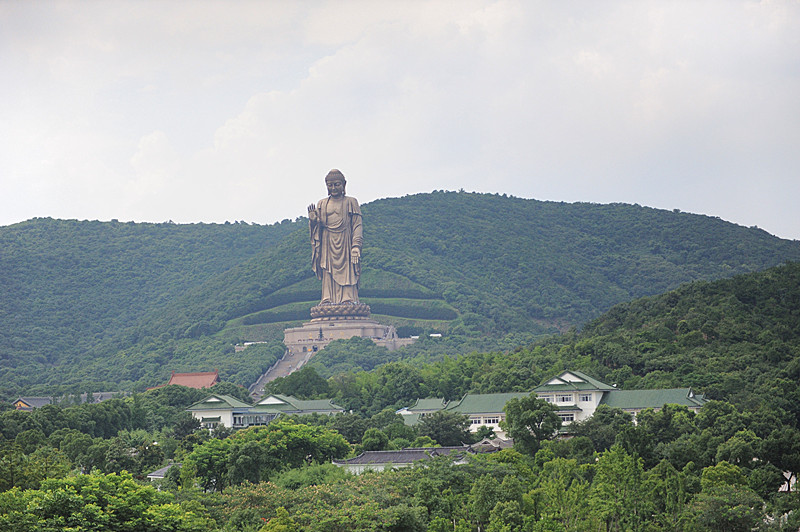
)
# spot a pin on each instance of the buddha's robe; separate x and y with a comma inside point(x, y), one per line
point(333, 236)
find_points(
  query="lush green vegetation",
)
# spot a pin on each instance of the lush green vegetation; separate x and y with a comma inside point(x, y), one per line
point(716, 470)
point(734, 339)
point(73, 292)
point(119, 305)
point(720, 469)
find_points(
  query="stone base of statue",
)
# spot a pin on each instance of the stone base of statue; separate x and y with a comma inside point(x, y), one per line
point(347, 311)
point(338, 322)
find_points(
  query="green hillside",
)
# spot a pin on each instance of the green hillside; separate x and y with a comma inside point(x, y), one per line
point(73, 289)
point(519, 264)
point(109, 303)
point(736, 340)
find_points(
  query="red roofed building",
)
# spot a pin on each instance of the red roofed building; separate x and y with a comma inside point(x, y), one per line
point(203, 379)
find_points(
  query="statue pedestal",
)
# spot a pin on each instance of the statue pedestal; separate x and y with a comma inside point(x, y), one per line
point(347, 311)
point(319, 332)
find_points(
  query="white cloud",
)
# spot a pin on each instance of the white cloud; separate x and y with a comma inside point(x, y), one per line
point(213, 112)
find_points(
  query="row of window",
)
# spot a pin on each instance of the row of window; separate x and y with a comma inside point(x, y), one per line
point(248, 421)
point(567, 398)
point(492, 420)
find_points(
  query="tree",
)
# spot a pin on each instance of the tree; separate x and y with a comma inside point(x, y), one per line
point(257, 452)
point(506, 516)
point(30, 440)
point(603, 426)
point(529, 421)
point(282, 522)
point(208, 463)
point(447, 428)
point(483, 497)
point(119, 456)
point(185, 425)
point(740, 449)
point(46, 462)
point(303, 383)
point(561, 491)
point(727, 508)
point(98, 502)
point(246, 461)
point(351, 426)
point(374, 440)
point(725, 502)
point(616, 489)
point(665, 493)
point(782, 449)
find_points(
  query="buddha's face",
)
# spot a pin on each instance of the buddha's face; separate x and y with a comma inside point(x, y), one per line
point(335, 187)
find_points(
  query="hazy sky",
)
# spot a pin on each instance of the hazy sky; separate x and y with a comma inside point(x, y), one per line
point(213, 111)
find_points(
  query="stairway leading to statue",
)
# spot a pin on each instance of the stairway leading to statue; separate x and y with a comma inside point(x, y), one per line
point(290, 362)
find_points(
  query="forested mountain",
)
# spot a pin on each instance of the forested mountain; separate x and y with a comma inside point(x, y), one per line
point(515, 263)
point(72, 287)
point(736, 340)
point(106, 303)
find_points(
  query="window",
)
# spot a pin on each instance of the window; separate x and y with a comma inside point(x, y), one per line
point(548, 398)
point(567, 418)
point(476, 421)
point(586, 397)
point(494, 420)
point(564, 398)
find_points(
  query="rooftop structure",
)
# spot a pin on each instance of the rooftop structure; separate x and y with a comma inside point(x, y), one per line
point(230, 412)
point(29, 403)
point(575, 394)
point(202, 379)
point(380, 460)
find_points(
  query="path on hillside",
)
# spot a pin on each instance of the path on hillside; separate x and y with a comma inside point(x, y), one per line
point(290, 362)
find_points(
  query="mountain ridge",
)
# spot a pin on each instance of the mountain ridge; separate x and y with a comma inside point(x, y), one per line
point(504, 265)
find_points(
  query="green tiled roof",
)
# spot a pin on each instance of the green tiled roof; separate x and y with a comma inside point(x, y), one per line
point(411, 419)
point(265, 409)
point(636, 399)
point(486, 403)
point(569, 408)
point(567, 383)
point(222, 402)
point(316, 404)
point(431, 403)
point(287, 403)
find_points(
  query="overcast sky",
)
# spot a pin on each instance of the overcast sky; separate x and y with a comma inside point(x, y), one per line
point(226, 111)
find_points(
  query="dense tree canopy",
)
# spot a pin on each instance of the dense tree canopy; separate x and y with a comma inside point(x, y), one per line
point(514, 269)
point(110, 305)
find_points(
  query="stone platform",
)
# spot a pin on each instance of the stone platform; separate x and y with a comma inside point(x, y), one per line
point(319, 332)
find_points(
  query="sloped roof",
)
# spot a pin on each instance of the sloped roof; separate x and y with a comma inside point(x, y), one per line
point(202, 379)
point(161, 473)
point(404, 456)
point(638, 399)
point(411, 419)
point(483, 403)
point(32, 402)
point(287, 403)
point(219, 402)
point(39, 401)
point(567, 408)
point(488, 445)
point(430, 404)
point(99, 397)
point(572, 381)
